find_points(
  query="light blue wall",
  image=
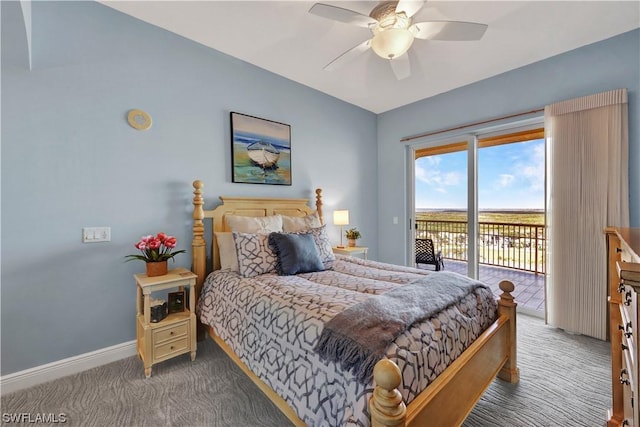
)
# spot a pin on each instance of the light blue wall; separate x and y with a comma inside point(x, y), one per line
point(70, 160)
point(610, 64)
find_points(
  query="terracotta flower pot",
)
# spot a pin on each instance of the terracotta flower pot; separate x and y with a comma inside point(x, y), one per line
point(351, 242)
point(157, 268)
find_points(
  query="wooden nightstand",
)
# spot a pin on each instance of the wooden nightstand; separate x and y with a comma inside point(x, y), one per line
point(173, 335)
point(352, 251)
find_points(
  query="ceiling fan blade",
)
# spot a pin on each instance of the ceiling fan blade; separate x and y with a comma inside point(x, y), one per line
point(401, 66)
point(343, 15)
point(448, 30)
point(348, 56)
point(409, 7)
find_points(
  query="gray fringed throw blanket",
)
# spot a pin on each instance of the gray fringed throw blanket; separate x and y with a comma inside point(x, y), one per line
point(358, 337)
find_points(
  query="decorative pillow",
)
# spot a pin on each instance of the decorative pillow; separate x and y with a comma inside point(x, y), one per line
point(254, 224)
point(296, 253)
point(324, 245)
point(295, 224)
point(254, 254)
point(227, 251)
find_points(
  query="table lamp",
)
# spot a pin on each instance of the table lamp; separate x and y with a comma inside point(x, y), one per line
point(341, 218)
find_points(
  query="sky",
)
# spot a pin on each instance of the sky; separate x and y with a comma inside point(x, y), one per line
point(510, 176)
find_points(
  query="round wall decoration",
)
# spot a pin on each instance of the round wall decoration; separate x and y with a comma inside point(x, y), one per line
point(138, 119)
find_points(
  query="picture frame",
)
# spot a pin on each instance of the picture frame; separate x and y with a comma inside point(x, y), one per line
point(176, 302)
point(260, 150)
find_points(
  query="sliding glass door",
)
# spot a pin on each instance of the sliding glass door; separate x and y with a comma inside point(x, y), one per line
point(481, 199)
point(441, 195)
point(511, 213)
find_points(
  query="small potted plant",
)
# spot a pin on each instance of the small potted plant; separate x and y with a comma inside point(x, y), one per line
point(352, 235)
point(156, 251)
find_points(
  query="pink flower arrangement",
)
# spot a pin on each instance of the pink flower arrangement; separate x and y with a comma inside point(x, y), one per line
point(155, 248)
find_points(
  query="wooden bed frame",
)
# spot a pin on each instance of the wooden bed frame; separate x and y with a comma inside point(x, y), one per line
point(447, 401)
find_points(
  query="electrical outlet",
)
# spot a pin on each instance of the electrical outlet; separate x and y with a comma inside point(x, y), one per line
point(96, 234)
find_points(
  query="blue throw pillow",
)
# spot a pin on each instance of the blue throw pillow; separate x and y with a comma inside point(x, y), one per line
point(296, 253)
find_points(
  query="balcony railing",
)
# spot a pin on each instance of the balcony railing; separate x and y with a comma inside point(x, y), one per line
point(517, 246)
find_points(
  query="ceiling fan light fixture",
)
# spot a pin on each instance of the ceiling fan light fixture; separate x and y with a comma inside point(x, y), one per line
point(392, 42)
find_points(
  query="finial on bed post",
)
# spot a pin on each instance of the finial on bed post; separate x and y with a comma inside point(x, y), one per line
point(507, 306)
point(386, 406)
point(319, 204)
point(198, 244)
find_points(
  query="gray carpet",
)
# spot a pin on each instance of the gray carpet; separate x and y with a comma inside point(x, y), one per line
point(564, 382)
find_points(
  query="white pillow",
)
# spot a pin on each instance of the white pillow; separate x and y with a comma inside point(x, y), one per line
point(254, 224)
point(295, 224)
point(227, 251)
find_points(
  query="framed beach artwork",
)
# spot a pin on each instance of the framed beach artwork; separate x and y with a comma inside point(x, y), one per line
point(260, 150)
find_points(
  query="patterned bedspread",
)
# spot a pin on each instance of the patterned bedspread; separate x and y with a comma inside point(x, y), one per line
point(273, 324)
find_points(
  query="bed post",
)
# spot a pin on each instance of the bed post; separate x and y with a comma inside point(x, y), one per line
point(386, 406)
point(507, 306)
point(319, 204)
point(198, 246)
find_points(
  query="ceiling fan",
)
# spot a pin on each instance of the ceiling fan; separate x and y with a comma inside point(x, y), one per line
point(394, 31)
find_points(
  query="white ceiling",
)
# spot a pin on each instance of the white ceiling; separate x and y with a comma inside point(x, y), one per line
point(282, 37)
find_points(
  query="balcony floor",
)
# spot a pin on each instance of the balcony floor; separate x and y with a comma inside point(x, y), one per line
point(529, 292)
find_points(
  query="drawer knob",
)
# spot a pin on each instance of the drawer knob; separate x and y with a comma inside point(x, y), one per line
point(625, 423)
point(626, 329)
point(624, 381)
point(172, 349)
point(627, 298)
point(171, 333)
point(620, 287)
point(624, 347)
point(618, 250)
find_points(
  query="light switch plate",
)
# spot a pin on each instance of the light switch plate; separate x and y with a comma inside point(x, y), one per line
point(96, 234)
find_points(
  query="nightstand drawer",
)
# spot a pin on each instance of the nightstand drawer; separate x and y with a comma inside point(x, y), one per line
point(170, 332)
point(170, 349)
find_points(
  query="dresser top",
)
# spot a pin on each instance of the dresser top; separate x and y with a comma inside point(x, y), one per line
point(632, 237)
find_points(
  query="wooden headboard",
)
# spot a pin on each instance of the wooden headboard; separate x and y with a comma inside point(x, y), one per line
point(244, 206)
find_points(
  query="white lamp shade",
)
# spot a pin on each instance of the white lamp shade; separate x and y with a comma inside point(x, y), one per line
point(341, 217)
point(392, 42)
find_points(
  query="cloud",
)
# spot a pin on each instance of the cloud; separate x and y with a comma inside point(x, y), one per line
point(452, 178)
point(431, 175)
point(433, 160)
point(531, 167)
point(506, 180)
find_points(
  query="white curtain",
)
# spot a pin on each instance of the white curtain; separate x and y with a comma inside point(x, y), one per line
point(588, 189)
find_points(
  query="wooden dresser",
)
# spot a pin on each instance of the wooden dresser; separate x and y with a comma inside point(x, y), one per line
point(623, 247)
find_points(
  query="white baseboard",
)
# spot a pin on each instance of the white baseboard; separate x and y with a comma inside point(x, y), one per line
point(61, 368)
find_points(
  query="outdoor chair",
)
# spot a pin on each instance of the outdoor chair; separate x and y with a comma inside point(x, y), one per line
point(426, 254)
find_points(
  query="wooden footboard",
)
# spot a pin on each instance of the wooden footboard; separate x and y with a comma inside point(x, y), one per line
point(451, 397)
